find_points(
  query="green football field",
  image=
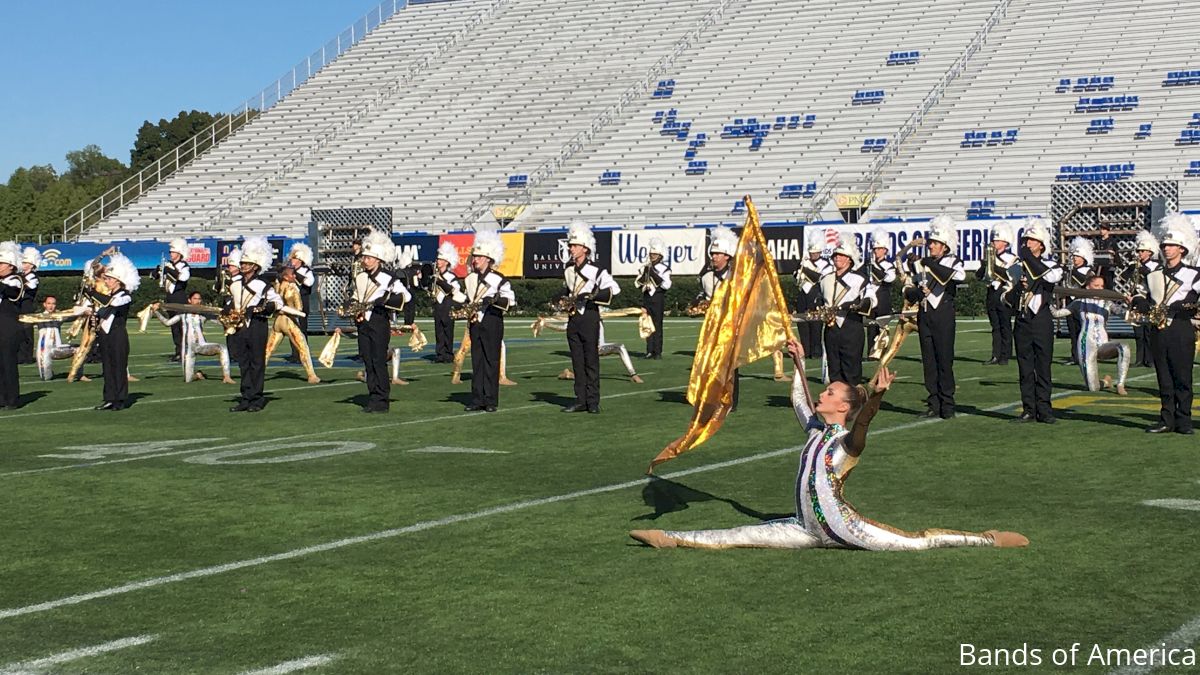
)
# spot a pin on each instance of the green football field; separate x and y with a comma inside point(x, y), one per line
point(176, 537)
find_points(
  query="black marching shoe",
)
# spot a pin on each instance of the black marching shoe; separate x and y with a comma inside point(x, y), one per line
point(254, 408)
point(575, 408)
point(373, 409)
point(991, 362)
point(1048, 420)
point(472, 408)
point(107, 405)
point(1185, 432)
point(1159, 429)
point(241, 407)
point(929, 413)
point(1023, 418)
point(489, 408)
point(947, 414)
point(594, 410)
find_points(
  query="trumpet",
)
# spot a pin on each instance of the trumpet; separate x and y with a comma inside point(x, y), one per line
point(467, 311)
point(698, 307)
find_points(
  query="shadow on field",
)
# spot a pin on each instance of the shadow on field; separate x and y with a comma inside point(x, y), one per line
point(1110, 420)
point(690, 354)
point(462, 397)
point(981, 412)
point(667, 496)
point(673, 397)
point(134, 397)
point(891, 407)
point(359, 400)
point(31, 396)
point(552, 398)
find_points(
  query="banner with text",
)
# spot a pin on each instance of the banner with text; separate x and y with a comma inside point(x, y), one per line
point(546, 253)
point(974, 236)
point(684, 250)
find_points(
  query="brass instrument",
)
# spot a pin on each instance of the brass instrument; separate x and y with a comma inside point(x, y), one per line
point(566, 304)
point(58, 316)
point(232, 319)
point(901, 269)
point(698, 307)
point(826, 315)
point(352, 309)
point(1156, 316)
point(905, 327)
point(467, 311)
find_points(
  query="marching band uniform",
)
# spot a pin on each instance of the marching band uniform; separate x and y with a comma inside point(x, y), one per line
point(300, 258)
point(1034, 330)
point(881, 274)
point(808, 276)
point(12, 290)
point(291, 327)
point(655, 281)
point(998, 312)
point(1174, 344)
point(589, 287)
point(1094, 345)
point(233, 271)
point(110, 312)
point(381, 292)
point(256, 300)
point(1135, 275)
point(30, 261)
point(824, 518)
point(173, 276)
point(936, 319)
point(445, 287)
point(492, 294)
point(721, 240)
point(194, 343)
point(850, 294)
point(1082, 258)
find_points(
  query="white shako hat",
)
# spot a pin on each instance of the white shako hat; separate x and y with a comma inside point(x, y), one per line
point(123, 269)
point(1146, 241)
point(1082, 247)
point(379, 245)
point(723, 240)
point(1039, 229)
point(179, 245)
point(880, 239)
point(32, 256)
point(1177, 229)
point(10, 252)
point(257, 251)
point(579, 233)
point(1003, 232)
point(847, 247)
point(302, 252)
point(489, 245)
point(945, 230)
point(658, 246)
point(448, 252)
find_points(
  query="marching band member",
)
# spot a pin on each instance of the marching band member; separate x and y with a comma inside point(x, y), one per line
point(194, 342)
point(489, 295)
point(655, 281)
point(808, 276)
point(1134, 274)
point(89, 347)
point(249, 306)
point(109, 309)
point(50, 344)
point(1174, 289)
point(290, 326)
point(881, 274)
point(850, 294)
point(1083, 256)
point(445, 286)
point(587, 286)
point(994, 272)
point(31, 260)
point(1034, 329)
point(1094, 345)
point(12, 290)
point(722, 247)
point(941, 272)
point(173, 277)
point(376, 292)
point(233, 270)
point(836, 425)
point(606, 349)
point(300, 259)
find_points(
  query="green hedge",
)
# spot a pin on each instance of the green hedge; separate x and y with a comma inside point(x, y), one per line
point(533, 295)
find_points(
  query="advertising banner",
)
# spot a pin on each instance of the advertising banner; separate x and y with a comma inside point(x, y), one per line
point(684, 250)
point(71, 257)
point(422, 248)
point(546, 253)
point(973, 237)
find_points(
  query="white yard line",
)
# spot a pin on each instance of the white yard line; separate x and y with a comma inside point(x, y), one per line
point(295, 665)
point(1187, 635)
point(445, 450)
point(423, 525)
point(42, 664)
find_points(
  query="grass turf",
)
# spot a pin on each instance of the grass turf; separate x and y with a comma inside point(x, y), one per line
point(557, 586)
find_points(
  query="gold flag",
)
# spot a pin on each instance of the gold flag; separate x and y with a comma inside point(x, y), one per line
point(747, 320)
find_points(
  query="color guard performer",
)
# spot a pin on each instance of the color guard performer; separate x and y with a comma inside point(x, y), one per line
point(606, 349)
point(251, 303)
point(1094, 345)
point(722, 247)
point(938, 276)
point(31, 260)
point(1082, 257)
point(995, 273)
point(654, 280)
point(444, 288)
point(836, 426)
point(488, 295)
point(173, 276)
point(881, 274)
point(109, 311)
point(194, 342)
point(587, 288)
point(851, 296)
point(808, 276)
point(50, 345)
point(12, 290)
point(1134, 274)
point(1174, 291)
point(1034, 329)
point(290, 325)
point(375, 292)
point(300, 259)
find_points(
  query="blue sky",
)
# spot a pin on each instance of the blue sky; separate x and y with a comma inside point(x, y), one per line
point(86, 71)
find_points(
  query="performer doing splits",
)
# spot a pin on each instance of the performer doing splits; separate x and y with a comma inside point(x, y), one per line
point(194, 342)
point(1174, 290)
point(488, 296)
point(251, 303)
point(1034, 330)
point(938, 276)
point(443, 289)
point(12, 289)
point(824, 519)
point(850, 295)
point(654, 280)
point(1094, 345)
point(289, 325)
point(587, 288)
point(173, 277)
point(110, 311)
point(995, 273)
point(376, 292)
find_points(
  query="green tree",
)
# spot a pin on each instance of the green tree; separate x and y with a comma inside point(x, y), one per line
point(90, 164)
point(155, 140)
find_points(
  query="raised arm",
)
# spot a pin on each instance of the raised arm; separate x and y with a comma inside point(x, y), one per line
point(856, 442)
point(801, 399)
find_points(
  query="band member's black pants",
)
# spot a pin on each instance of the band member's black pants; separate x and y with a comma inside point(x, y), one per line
point(443, 331)
point(374, 335)
point(583, 338)
point(1173, 348)
point(1000, 317)
point(114, 354)
point(10, 342)
point(1035, 349)
point(936, 327)
point(1073, 329)
point(883, 307)
point(655, 305)
point(486, 337)
point(250, 344)
point(179, 297)
point(25, 351)
point(1141, 338)
point(810, 332)
point(844, 350)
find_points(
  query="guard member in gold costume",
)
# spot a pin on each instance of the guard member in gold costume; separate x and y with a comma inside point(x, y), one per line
point(286, 325)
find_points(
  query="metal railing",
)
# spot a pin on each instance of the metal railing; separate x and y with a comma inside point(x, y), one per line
point(133, 187)
point(481, 207)
point(872, 179)
point(216, 216)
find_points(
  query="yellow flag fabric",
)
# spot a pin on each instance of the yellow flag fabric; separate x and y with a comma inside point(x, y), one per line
point(747, 320)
